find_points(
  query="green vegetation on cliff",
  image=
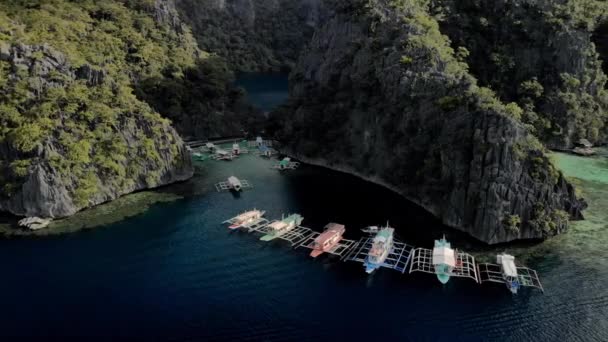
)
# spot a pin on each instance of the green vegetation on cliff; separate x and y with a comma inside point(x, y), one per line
point(67, 75)
point(393, 101)
point(539, 54)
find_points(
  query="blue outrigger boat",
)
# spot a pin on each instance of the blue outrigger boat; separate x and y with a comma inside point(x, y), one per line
point(381, 248)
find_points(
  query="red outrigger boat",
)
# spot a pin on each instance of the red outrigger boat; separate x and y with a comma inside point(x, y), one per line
point(328, 239)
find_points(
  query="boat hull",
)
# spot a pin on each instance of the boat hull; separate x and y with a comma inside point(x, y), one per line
point(443, 273)
point(315, 253)
point(370, 267)
point(268, 237)
point(513, 287)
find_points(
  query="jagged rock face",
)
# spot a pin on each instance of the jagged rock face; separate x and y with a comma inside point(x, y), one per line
point(369, 97)
point(203, 103)
point(260, 35)
point(516, 41)
point(45, 190)
point(166, 13)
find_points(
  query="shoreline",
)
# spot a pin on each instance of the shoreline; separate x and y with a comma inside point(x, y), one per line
point(122, 208)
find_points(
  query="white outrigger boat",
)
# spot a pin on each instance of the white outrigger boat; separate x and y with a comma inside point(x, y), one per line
point(444, 260)
point(247, 218)
point(234, 184)
point(370, 229)
point(507, 272)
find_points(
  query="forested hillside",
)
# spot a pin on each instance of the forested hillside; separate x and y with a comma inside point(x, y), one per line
point(539, 54)
point(72, 131)
point(381, 93)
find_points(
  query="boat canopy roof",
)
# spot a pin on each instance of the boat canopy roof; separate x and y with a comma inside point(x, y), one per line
point(384, 234)
point(292, 217)
point(277, 225)
point(234, 181)
point(444, 255)
point(508, 264)
point(335, 226)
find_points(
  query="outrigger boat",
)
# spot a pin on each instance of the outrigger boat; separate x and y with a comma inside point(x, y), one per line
point(509, 271)
point(236, 149)
point(223, 155)
point(370, 229)
point(381, 248)
point(265, 151)
point(286, 164)
point(444, 260)
point(278, 228)
point(328, 239)
point(210, 147)
point(246, 218)
point(234, 184)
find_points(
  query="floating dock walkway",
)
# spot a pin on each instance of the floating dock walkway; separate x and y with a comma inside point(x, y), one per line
point(398, 258)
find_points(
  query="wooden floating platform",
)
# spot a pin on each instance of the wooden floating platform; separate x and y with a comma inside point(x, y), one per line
point(341, 248)
point(398, 259)
point(494, 273)
point(422, 261)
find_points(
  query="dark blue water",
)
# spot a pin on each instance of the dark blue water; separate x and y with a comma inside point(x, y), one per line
point(175, 273)
point(264, 91)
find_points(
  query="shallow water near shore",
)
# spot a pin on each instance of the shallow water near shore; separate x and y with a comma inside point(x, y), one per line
point(174, 272)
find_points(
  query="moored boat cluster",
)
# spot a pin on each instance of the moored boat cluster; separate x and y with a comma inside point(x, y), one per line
point(382, 249)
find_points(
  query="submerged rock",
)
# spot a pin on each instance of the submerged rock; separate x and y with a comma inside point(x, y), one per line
point(380, 94)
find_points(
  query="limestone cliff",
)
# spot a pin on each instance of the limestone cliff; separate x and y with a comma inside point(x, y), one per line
point(540, 54)
point(201, 101)
point(72, 133)
point(379, 93)
point(69, 169)
point(254, 35)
